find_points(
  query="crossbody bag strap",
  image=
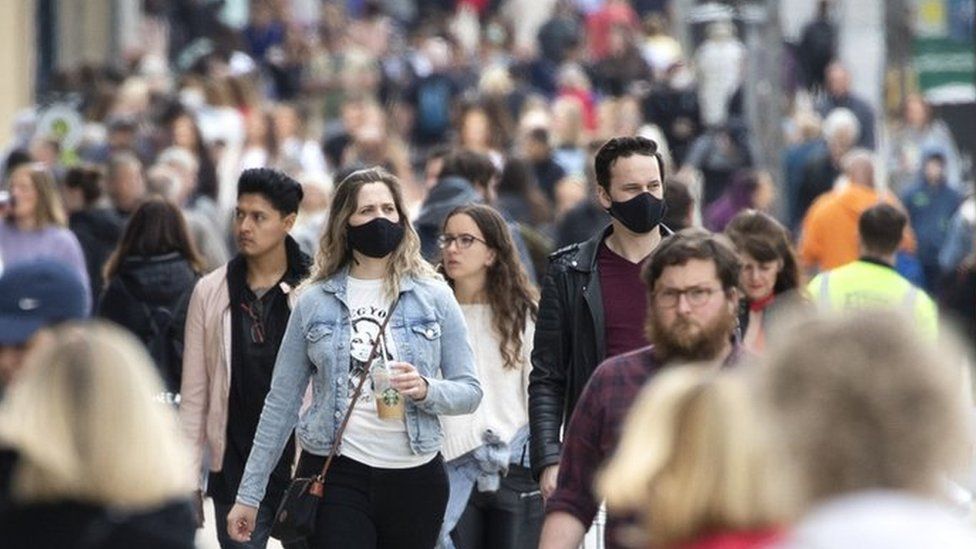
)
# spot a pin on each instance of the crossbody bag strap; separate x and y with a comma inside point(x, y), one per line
point(355, 396)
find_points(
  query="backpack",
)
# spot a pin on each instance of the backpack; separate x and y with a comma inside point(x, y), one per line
point(165, 342)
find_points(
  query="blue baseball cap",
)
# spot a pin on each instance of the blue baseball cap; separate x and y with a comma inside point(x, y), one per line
point(36, 294)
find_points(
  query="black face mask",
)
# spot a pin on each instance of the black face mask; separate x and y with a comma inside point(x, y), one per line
point(377, 238)
point(641, 213)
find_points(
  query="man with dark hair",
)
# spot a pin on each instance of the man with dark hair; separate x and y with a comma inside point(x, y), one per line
point(539, 151)
point(587, 312)
point(680, 205)
point(125, 183)
point(226, 380)
point(98, 229)
point(930, 203)
point(692, 300)
point(872, 281)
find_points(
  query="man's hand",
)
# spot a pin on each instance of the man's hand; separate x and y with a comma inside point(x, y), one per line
point(547, 482)
point(561, 531)
point(240, 522)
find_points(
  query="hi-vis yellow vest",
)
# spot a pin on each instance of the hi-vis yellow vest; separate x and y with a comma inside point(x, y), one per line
point(862, 285)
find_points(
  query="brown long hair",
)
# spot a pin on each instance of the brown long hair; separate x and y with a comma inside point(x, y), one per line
point(156, 227)
point(513, 300)
point(765, 239)
point(334, 251)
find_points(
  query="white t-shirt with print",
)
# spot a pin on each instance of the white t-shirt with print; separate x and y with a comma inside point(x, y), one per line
point(381, 443)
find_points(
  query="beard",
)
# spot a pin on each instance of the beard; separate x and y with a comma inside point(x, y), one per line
point(689, 340)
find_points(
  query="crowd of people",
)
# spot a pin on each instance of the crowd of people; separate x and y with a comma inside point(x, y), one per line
point(483, 267)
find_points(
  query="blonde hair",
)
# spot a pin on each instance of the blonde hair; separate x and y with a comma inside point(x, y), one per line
point(49, 209)
point(334, 251)
point(864, 403)
point(694, 459)
point(84, 424)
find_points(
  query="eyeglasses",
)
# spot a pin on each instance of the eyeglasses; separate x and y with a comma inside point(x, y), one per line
point(257, 326)
point(464, 241)
point(696, 295)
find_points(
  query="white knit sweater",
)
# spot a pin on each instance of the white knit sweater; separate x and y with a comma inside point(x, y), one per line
point(505, 405)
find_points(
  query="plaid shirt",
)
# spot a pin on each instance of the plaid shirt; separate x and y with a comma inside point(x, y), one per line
point(594, 430)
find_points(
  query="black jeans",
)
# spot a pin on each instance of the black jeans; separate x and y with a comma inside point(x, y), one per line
point(509, 518)
point(366, 507)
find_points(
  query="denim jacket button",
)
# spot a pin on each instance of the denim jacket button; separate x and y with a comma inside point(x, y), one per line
point(338, 415)
point(430, 333)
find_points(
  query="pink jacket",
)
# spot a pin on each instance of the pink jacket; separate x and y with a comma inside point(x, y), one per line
point(205, 386)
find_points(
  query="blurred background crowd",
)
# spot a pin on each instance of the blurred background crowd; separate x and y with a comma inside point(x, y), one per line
point(756, 105)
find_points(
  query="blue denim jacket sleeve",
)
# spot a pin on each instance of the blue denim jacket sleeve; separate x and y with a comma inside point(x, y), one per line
point(457, 391)
point(280, 414)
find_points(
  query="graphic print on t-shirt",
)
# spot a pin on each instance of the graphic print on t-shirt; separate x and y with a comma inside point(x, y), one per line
point(366, 323)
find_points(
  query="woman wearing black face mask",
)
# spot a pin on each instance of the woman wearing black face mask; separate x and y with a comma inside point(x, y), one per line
point(387, 486)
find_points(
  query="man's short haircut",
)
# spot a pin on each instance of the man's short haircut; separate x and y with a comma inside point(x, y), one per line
point(624, 147)
point(881, 227)
point(88, 179)
point(683, 246)
point(475, 167)
point(679, 200)
point(120, 159)
point(539, 135)
point(283, 192)
point(937, 156)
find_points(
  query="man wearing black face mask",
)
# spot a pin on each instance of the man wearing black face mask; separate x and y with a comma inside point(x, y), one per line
point(592, 304)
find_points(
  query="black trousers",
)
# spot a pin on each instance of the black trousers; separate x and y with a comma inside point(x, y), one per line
point(509, 518)
point(366, 507)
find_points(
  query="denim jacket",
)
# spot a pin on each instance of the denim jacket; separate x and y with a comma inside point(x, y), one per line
point(429, 330)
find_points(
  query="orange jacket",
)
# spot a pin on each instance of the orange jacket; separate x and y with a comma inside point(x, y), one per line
point(829, 235)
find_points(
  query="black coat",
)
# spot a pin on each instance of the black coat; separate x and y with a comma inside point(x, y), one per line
point(98, 231)
point(70, 525)
point(569, 343)
point(142, 293)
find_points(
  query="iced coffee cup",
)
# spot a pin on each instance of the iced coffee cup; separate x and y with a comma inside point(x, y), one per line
point(389, 401)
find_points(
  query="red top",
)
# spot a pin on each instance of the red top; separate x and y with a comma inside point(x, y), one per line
point(624, 302)
point(761, 303)
point(754, 539)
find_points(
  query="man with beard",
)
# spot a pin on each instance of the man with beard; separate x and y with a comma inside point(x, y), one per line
point(691, 315)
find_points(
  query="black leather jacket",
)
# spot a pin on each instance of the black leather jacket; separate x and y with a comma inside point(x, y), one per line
point(569, 343)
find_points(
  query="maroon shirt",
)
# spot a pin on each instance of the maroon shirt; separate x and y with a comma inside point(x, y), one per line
point(594, 431)
point(624, 302)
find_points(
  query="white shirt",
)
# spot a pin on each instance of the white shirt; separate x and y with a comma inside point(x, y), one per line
point(381, 443)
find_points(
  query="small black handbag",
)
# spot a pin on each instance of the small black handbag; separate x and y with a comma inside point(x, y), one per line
point(296, 515)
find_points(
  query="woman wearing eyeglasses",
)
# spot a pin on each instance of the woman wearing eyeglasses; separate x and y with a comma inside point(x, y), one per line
point(489, 508)
point(769, 278)
point(387, 487)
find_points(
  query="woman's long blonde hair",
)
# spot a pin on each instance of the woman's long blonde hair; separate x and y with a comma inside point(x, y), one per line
point(693, 459)
point(49, 209)
point(334, 251)
point(84, 424)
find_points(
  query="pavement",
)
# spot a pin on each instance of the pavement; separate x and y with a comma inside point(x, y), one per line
point(207, 536)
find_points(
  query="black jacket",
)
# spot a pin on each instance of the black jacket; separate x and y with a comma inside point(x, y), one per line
point(71, 524)
point(569, 343)
point(150, 294)
point(98, 231)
